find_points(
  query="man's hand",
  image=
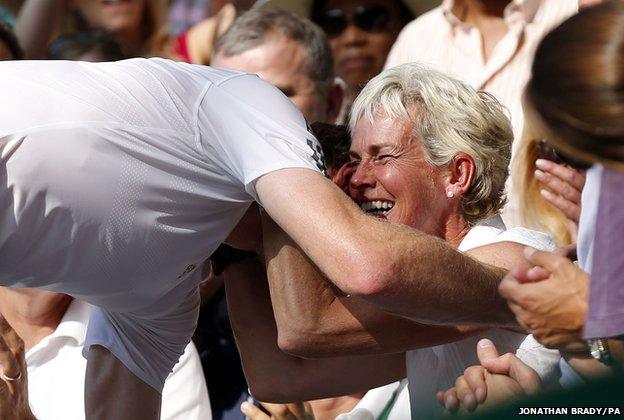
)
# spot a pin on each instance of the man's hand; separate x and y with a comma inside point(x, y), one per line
point(498, 379)
point(564, 186)
point(294, 411)
point(13, 381)
point(550, 300)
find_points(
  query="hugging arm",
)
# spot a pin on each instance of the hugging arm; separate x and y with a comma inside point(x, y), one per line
point(387, 265)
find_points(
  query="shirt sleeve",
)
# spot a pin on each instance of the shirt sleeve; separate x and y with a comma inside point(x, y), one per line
point(151, 342)
point(250, 128)
point(605, 317)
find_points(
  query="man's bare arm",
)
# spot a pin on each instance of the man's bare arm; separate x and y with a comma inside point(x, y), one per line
point(113, 392)
point(398, 269)
point(275, 376)
point(316, 320)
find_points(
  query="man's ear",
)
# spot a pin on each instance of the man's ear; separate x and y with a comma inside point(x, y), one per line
point(462, 171)
point(335, 97)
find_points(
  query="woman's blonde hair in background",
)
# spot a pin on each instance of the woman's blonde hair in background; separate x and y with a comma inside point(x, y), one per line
point(535, 211)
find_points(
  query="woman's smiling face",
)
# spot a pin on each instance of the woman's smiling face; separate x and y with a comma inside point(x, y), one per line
point(391, 177)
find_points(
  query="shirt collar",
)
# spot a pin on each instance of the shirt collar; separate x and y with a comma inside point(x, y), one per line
point(517, 10)
point(73, 326)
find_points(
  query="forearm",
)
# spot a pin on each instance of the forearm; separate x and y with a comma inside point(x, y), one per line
point(113, 392)
point(275, 376)
point(35, 25)
point(315, 320)
point(398, 269)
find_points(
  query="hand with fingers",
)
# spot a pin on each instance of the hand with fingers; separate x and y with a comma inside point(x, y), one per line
point(497, 380)
point(293, 411)
point(549, 300)
point(13, 381)
point(563, 187)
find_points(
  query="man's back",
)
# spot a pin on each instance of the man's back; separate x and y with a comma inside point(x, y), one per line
point(119, 180)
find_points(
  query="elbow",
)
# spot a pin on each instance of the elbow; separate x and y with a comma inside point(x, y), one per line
point(302, 342)
point(371, 277)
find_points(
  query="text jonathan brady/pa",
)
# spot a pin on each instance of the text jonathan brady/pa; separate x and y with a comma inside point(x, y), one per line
point(574, 411)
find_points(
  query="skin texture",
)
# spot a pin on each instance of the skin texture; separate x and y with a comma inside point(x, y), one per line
point(360, 55)
point(550, 299)
point(283, 62)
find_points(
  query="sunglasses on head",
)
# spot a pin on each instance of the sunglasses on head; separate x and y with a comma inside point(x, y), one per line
point(546, 151)
point(368, 17)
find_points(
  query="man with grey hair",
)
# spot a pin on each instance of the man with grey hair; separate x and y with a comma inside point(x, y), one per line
point(288, 51)
point(428, 152)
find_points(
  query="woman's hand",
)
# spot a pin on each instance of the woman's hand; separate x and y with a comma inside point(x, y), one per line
point(563, 190)
point(496, 380)
point(550, 299)
point(13, 380)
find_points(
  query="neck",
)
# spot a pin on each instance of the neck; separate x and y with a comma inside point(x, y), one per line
point(456, 229)
point(475, 11)
point(33, 314)
point(133, 38)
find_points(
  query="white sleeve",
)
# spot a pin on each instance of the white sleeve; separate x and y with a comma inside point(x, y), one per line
point(250, 128)
point(149, 344)
point(538, 240)
point(542, 360)
point(185, 395)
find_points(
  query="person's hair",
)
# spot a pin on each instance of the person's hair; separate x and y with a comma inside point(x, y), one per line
point(449, 117)
point(154, 26)
point(535, 211)
point(576, 90)
point(335, 141)
point(8, 38)
point(255, 27)
point(75, 45)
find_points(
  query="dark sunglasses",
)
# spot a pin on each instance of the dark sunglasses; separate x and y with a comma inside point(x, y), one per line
point(546, 151)
point(368, 17)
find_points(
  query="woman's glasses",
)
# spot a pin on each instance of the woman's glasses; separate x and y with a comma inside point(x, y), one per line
point(368, 17)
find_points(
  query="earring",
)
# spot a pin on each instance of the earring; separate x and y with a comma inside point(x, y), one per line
point(450, 194)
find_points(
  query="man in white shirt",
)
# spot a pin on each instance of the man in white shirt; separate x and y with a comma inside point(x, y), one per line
point(120, 179)
point(53, 327)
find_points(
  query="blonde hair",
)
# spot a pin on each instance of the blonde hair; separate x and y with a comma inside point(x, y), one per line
point(153, 24)
point(451, 118)
point(535, 211)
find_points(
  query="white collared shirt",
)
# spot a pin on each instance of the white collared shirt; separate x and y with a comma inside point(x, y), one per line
point(56, 375)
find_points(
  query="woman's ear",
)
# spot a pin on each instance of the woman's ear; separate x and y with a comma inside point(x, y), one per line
point(462, 170)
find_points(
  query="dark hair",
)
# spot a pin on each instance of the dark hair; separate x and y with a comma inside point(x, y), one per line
point(576, 90)
point(404, 13)
point(252, 28)
point(75, 45)
point(335, 141)
point(8, 37)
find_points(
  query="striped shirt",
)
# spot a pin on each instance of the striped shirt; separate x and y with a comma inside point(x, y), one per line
point(440, 39)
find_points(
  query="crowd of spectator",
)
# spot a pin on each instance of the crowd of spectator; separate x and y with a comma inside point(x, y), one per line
point(494, 126)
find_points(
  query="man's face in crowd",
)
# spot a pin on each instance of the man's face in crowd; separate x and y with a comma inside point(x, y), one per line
point(360, 53)
point(283, 63)
point(390, 167)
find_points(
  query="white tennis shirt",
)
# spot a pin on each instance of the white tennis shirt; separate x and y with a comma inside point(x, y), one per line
point(119, 179)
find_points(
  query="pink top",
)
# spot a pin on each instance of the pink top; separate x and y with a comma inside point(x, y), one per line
point(440, 39)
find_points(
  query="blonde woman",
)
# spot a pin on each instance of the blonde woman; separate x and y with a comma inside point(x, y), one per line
point(549, 187)
point(139, 24)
